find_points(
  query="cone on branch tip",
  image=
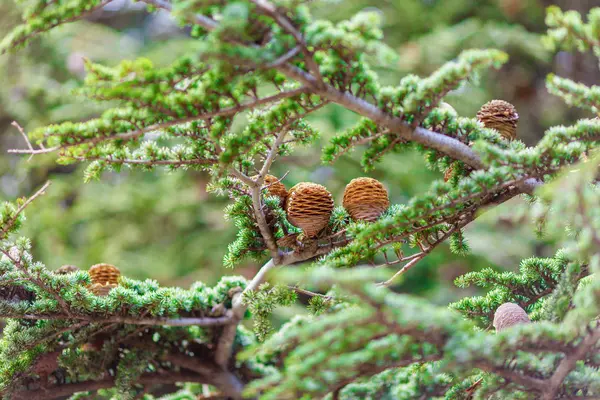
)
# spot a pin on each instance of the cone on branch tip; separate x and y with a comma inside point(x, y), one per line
point(104, 274)
point(365, 199)
point(509, 314)
point(66, 269)
point(501, 116)
point(309, 207)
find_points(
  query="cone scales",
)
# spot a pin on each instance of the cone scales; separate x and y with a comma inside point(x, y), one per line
point(104, 273)
point(309, 207)
point(275, 188)
point(104, 277)
point(500, 115)
point(509, 314)
point(365, 199)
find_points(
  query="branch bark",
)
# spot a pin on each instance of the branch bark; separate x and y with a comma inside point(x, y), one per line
point(60, 391)
point(569, 362)
point(191, 321)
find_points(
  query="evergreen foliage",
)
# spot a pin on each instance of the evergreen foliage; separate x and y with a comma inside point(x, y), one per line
point(266, 66)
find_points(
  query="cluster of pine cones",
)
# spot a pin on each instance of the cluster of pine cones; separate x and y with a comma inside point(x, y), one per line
point(104, 277)
point(309, 205)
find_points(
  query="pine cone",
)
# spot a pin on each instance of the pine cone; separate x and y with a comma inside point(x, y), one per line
point(500, 115)
point(448, 173)
point(509, 314)
point(100, 289)
point(66, 269)
point(365, 199)
point(104, 273)
point(309, 207)
point(275, 188)
point(46, 364)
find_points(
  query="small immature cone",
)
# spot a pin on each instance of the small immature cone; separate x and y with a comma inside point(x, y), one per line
point(500, 115)
point(448, 173)
point(100, 289)
point(275, 188)
point(104, 273)
point(509, 314)
point(365, 199)
point(66, 269)
point(309, 207)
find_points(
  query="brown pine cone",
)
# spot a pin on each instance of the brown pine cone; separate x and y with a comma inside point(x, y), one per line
point(275, 188)
point(309, 207)
point(100, 289)
point(46, 364)
point(365, 199)
point(500, 115)
point(448, 173)
point(104, 273)
point(509, 314)
point(66, 269)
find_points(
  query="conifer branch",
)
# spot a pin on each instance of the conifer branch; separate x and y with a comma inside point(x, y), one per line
point(374, 332)
point(62, 390)
point(185, 321)
point(8, 225)
point(57, 22)
point(155, 127)
point(553, 384)
point(281, 20)
point(117, 161)
point(445, 144)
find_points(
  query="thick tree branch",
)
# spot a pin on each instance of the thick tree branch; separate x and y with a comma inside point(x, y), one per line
point(512, 376)
point(228, 383)
point(60, 391)
point(224, 347)
point(207, 321)
point(568, 363)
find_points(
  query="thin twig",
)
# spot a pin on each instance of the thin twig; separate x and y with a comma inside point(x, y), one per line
point(281, 20)
point(419, 256)
point(20, 129)
point(23, 206)
point(308, 292)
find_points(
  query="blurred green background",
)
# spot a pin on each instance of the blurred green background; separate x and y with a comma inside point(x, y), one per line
point(165, 226)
